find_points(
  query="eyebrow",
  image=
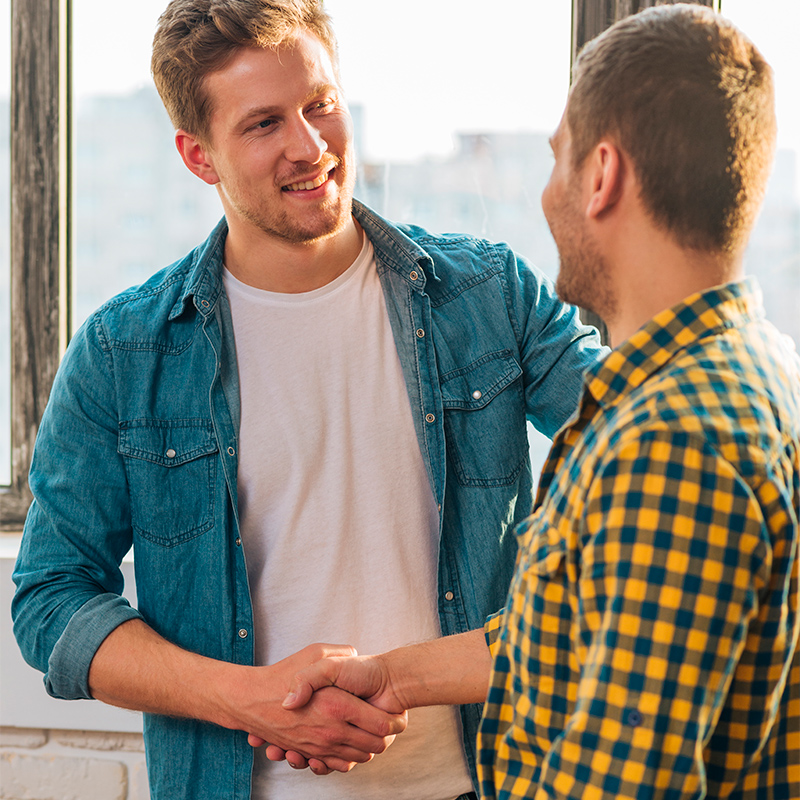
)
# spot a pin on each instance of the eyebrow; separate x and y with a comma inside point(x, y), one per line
point(270, 111)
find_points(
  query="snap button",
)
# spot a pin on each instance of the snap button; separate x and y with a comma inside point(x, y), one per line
point(430, 418)
point(242, 633)
point(414, 275)
point(231, 451)
point(170, 453)
point(238, 542)
point(477, 394)
point(420, 333)
point(449, 596)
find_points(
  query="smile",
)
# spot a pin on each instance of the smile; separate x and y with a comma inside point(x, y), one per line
point(307, 185)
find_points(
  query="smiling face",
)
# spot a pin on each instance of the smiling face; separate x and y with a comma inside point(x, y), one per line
point(280, 147)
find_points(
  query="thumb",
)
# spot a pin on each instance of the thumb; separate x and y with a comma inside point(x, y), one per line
point(303, 685)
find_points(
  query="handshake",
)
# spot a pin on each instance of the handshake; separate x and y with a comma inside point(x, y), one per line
point(340, 709)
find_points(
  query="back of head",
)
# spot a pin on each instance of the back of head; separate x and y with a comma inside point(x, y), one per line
point(690, 99)
point(197, 37)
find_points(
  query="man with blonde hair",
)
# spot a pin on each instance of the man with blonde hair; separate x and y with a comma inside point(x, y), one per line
point(649, 644)
point(312, 427)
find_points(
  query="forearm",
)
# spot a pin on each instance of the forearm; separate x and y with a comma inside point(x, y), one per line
point(136, 668)
point(453, 670)
point(450, 671)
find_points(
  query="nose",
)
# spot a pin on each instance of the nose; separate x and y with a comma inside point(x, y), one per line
point(305, 142)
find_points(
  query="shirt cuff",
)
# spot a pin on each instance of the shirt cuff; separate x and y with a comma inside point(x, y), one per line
point(67, 675)
point(491, 630)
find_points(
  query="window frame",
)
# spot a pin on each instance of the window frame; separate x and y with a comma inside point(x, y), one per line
point(40, 227)
point(41, 200)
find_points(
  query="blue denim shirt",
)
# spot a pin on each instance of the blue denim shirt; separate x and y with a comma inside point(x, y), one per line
point(138, 447)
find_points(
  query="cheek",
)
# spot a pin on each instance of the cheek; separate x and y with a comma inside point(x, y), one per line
point(547, 198)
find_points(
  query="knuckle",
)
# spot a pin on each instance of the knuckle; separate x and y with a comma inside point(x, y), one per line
point(328, 738)
point(381, 746)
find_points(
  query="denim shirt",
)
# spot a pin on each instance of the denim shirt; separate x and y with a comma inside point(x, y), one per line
point(138, 447)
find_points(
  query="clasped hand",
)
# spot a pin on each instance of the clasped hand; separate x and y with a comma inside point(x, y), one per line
point(340, 678)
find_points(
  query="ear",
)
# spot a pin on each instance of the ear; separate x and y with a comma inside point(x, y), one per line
point(606, 175)
point(196, 157)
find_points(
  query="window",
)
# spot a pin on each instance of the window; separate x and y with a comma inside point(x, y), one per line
point(452, 118)
point(39, 179)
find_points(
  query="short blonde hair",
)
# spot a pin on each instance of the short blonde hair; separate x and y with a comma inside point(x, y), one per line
point(196, 37)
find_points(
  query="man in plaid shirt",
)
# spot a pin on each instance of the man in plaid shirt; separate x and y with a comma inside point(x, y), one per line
point(649, 647)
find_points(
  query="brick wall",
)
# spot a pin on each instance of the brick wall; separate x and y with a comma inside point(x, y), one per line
point(71, 765)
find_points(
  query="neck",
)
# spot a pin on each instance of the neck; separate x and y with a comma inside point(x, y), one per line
point(653, 273)
point(276, 265)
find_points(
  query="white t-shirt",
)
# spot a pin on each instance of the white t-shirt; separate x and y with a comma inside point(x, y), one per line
point(339, 524)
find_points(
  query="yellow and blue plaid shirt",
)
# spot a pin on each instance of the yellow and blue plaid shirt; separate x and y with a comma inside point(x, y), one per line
point(649, 647)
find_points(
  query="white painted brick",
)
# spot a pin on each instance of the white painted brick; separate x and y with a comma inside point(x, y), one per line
point(140, 787)
point(100, 740)
point(22, 737)
point(40, 778)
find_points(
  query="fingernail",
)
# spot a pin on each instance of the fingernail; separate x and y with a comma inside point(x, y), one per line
point(289, 699)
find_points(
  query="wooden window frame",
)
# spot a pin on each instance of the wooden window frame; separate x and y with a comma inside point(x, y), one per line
point(40, 227)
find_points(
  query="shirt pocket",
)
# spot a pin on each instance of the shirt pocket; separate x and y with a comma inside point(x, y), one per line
point(485, 420)
point(171, 467)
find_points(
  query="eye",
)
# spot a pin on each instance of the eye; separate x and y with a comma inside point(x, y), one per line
point(265, 123)
point(323, 105)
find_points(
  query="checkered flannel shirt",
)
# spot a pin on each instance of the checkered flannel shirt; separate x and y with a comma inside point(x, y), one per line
point(649, 647)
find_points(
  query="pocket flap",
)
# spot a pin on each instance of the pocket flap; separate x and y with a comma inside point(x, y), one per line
point(475, 386)
point(169, 443)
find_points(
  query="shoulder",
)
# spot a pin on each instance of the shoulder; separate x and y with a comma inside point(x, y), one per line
point(724, 395)
point(139, 312)
point(465, 253)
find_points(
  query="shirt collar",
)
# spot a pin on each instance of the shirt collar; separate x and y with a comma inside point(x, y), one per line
point(204, 285)
point(203, 282)
point(698, 316)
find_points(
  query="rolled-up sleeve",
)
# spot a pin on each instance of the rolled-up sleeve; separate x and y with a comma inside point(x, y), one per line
point(68, 577)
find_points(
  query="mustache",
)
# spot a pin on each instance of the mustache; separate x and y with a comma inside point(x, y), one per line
point(302, 171)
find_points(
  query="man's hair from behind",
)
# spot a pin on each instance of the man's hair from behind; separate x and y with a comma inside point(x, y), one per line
point(690, 99)
point(196, 37)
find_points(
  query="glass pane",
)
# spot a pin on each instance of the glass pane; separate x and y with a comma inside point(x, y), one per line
point(452, 123)
point(5, 249)
point(136, 206)
point(774, 252)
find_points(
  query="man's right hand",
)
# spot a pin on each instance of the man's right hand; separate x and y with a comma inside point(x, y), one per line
point(447, 671)
point(367, 677)
point(136, 668)
point(333, 726)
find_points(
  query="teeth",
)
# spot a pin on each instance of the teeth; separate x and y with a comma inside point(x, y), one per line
point(296, 187)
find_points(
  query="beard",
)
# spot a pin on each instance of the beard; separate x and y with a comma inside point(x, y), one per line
point(314, 224)
point(583, 278)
